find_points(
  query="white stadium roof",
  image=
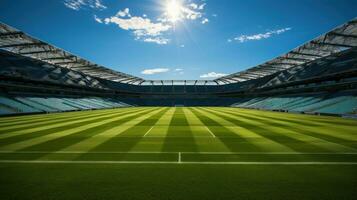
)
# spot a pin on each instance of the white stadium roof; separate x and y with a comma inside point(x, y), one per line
point(339, 39)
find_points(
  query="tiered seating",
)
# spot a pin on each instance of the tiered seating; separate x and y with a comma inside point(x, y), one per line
point(339, 103)
point(341, 107)
point(17, 106)
point(25, 104)
point(34, 104)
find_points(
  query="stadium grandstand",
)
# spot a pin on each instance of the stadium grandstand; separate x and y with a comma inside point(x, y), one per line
point(317, 77)
point(121, 124)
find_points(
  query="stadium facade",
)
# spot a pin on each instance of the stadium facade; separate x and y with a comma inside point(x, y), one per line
point(318, 77)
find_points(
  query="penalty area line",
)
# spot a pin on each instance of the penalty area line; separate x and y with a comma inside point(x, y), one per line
point(147, 132)
point(213, 135)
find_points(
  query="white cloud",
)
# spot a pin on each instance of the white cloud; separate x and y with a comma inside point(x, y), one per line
point(154, 31)
point(142, 27)
point(123, 13)
point(98, 4)
point(178, 69)
point(193, 6)
point(97, 19)
point(191, 14)
point(204, 21)
point(214, 15)
point(80, 4)
point(182, 45)
point(157, 40)
point(155, 71)
point(260, 36)
point(202, 6)
point(212, 75)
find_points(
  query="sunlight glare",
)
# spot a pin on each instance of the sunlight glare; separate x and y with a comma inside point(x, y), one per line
point(174, 10)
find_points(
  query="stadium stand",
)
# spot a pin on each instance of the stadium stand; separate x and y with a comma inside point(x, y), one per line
point(319, 77)
point(28, 104)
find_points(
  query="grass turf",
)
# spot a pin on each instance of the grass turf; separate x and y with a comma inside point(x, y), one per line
point(177, 153)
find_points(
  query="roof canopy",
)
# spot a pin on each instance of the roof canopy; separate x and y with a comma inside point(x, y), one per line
point(339, 39)
point(18, 42)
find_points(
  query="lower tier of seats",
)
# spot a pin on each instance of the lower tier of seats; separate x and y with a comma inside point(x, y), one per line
point(10, 104)
point(339, 103)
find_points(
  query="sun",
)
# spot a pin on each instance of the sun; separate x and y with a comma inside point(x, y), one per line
point(174, 10)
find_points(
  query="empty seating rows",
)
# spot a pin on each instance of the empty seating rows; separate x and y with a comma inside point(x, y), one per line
point(25, 104)
point(339, 103)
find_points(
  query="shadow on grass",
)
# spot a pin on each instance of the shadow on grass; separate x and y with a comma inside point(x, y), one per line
point(130, 137)
point(36, 134)
point(179, 136)
point(66, 141)
point(294, 126)
point(231, 140)
point(285, 140)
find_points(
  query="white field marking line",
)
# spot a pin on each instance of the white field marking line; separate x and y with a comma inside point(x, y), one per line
point(179, 157)
point(177, 136)
point(182, 152)
point(213, 135)
point(148, 131)
point(173, 162)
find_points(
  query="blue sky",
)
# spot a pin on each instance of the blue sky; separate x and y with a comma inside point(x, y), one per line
point(182, 39)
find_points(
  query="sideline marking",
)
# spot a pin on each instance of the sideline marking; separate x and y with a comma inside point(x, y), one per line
point(173, 162)
point(213, 135)
point(148, 131)
point(174, 152)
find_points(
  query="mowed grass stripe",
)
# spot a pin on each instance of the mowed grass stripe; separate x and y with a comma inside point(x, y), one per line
point(294, 140)
point(205, 144)
point(140, 129)
point(11, 138)
point(44, 122)
point(346, 131)
point(179, 136)
point(292, 131)
point(69, 140)
point(98, 139)
point(312, 119)
point(52, 117)
point(24, 118)
point(241, 139)
point(67, 130)
point(40, 130)
point(161, 127)
point(196, 126)
point(345, 137)
point(129, 138)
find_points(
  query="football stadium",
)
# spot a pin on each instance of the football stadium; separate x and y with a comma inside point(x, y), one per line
point(74, 128)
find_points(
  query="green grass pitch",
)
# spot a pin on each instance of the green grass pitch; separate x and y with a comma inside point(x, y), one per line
point(177, 153)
